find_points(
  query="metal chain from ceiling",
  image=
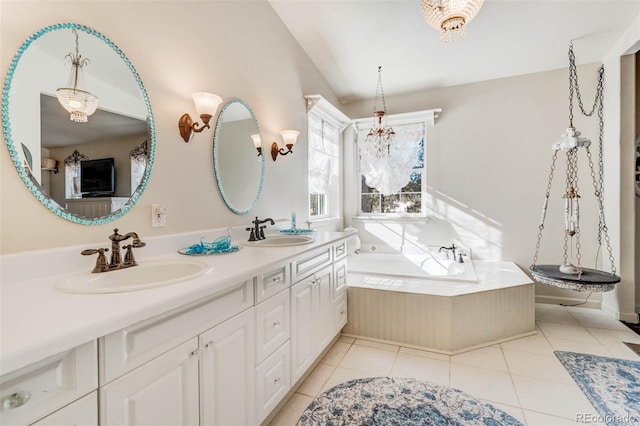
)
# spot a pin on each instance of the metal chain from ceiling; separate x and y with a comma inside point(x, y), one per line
point(572, 170)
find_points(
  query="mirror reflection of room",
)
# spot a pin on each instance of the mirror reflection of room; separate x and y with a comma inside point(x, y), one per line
point(110, 139)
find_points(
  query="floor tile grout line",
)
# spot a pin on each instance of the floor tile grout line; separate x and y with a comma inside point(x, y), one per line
point(513, 383)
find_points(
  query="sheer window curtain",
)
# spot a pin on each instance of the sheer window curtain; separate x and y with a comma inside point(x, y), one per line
point(323, 155)
point(390, 173)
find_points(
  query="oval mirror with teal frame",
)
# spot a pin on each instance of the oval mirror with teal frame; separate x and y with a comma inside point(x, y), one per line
point(120, 92)
point(238, 167)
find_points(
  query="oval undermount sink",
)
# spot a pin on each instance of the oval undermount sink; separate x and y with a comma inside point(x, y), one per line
point(148, 274)
point(281, 240)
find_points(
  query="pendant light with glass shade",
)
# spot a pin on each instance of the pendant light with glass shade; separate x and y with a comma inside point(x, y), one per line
point(450, 17)
point(78, 102)
point(380, 136)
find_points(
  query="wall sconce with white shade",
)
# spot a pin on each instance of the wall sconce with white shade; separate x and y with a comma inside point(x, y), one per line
point(290, 138)
point(206, 105)
point(257, 143)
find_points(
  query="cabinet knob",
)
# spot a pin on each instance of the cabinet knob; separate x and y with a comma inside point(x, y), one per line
point(277, 380)
point(276, 324)
point(16, 399)
point(209, 344)
point(276, 279)
point(341, 312)
point(195, 354)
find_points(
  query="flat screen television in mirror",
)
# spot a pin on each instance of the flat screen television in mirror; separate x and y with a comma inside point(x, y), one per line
point(97, 178)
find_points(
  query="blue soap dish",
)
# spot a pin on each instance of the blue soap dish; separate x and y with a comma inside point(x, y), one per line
point(190, 252)
point(297, 231)
point(221, 245)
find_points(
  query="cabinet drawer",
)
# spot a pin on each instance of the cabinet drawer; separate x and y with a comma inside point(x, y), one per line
point(311, 262)
point(340, 279)
point(131, 347)
point(272, 325)
point(41, 388)
point(273, 282)
point(83, 412)
point(340, 250)
point(273, 381)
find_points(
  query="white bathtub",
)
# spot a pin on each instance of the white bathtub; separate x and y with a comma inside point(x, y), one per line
point(426, 266)
point(436, 304)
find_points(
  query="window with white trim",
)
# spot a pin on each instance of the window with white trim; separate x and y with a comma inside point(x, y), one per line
point(326, 124)
point(392, 181)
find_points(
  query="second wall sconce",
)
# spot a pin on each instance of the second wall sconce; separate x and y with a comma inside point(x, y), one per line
point(257, 143)
point(289, 137)
point(206, 105)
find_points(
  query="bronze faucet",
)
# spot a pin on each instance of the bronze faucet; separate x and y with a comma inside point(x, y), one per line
point(116, 262)
point(257, 232)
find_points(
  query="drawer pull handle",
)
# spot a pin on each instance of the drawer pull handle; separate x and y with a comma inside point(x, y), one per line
point(16, 399)
point(276, 324)
point(277, 380)
point(209, 344)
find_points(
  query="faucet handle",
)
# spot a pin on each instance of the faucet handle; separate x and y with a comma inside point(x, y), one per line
point(129, 260)
point(101, 261)
point(252, 235)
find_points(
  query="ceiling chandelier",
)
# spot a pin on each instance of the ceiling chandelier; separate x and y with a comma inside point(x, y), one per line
point(570, 275)
point(380, 136)
point(450, 17)
point(80, 103)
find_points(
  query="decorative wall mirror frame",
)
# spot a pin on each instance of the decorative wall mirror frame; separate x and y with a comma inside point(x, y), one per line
point(238, 168)
point(12, 131)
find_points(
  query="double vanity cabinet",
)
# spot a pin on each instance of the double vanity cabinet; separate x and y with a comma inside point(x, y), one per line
point(226, 359)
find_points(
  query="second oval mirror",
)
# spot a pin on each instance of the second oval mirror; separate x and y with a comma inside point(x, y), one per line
point(238, 168)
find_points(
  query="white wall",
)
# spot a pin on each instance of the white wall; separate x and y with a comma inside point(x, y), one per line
point(233, 49)
point(619, 167)
point(488, 160)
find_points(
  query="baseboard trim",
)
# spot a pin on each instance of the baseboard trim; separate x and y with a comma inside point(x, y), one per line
point(631, 317)
point(561, 300)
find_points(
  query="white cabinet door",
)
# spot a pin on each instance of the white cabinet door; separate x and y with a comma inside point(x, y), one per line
point(163, 391)
point(302, 347)
point(312, 319)
point(228, 372)
point(323, 317)
point(83, 412)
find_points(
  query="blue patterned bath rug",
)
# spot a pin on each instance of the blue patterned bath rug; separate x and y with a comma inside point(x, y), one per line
point(611, 384)
point(387, 401)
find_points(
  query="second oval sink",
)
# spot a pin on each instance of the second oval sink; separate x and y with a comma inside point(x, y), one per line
point(281, 240)
point(148, 274)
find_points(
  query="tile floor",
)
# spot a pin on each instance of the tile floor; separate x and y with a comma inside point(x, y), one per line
point(522, 377)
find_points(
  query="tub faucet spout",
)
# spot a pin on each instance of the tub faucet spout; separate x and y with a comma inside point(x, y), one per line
point(452, 249)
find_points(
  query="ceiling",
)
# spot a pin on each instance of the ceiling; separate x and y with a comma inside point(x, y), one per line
point(348, 39)
point(57, 130)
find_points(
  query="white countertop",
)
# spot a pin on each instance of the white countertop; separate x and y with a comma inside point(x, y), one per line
point(37, 321)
